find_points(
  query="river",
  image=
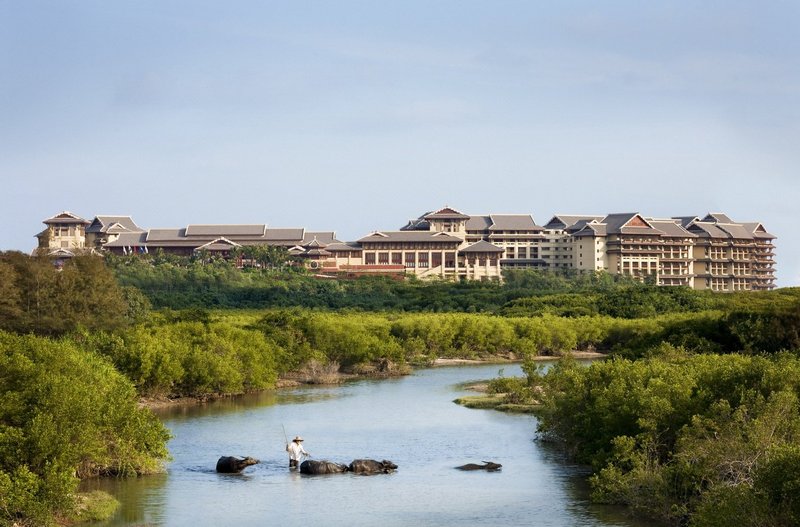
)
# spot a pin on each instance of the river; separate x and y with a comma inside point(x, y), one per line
point(410, 420)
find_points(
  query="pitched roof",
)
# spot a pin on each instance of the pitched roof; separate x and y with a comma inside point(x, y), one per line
point(670, 227)
point(591, 228)
point(164, 235)
point(417, 224)
point(686, 220)
point(513, 222)
point(219, 244)
point(343, 247)
point(580, 224)
point(446, 213)
point(223, 230)
point(628, 223)
point(479, 223)
point(325, 238)
point(410, 236)
point(758, 230)
point(284, 235)
point(129, 239)
point(64, 218)
point(563, 221)
point(718, 217)
point(736, 231)
point(707, 230)
point(113, 224)
point(481, 247)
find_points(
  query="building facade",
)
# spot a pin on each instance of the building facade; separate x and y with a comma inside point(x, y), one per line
point(710, 252)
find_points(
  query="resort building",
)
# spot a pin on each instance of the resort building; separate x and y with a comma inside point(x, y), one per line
point(106, 229)
point(65, 233)
point(730, 256)
point(712, 252)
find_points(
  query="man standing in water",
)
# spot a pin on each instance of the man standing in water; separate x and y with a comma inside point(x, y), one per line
point(296, 452)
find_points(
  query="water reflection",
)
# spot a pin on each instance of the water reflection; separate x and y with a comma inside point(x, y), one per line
point(411, 421)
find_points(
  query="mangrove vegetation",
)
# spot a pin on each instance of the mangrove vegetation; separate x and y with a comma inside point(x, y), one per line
point(693, 420)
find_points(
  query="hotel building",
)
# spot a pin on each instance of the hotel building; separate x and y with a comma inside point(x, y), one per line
point(712, 252)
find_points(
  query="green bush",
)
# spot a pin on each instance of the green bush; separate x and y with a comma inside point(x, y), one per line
point(65, 413)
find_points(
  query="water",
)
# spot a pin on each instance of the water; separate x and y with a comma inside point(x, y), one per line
point(411, 421)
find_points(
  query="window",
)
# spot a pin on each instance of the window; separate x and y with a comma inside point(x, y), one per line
point(411, 260)
point(369, 258)
point(383, 258)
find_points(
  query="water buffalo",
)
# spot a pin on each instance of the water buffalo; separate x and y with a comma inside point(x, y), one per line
point(370, 466)
point(488, 466)
point(311, 466)
point(233, 465)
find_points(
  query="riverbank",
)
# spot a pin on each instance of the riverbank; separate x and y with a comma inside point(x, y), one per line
point(319, 376)
point(505, 360)
point(506, 402)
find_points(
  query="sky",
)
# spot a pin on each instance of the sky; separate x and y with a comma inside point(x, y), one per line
point(356, 116)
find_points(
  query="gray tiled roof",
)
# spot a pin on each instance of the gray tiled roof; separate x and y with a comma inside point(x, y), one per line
point(563, 221)
point(165, 235)
point(252, 230)
point(619, 223)
point(686, 220)
point(481, 247)
point(591, 229)
point(447, 213)
point(410, 236)
point(707, 230)
point(64, 218)
point(324, 238)
point(758, 230)
point(114, 224)
point(417, 224)
point(219, 244)
point(671, 228)
point(513, 222)
point(129, 239)
point(343, 247)
point(479, 223)
point(736, 231)
point(718, 217)
point(274, 235)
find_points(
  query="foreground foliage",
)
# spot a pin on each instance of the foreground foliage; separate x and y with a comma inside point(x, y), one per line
point(704, 439)
point(65, 414)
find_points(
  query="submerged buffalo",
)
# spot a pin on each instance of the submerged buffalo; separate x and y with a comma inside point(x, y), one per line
point(234, 465)
point(488, 466)
point(312, 466)
point(370, 466)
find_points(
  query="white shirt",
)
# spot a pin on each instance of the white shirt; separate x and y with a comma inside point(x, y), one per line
point(296, 450)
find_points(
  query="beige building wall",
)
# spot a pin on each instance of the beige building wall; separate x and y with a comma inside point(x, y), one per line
point(589, 253)
point(72, 236)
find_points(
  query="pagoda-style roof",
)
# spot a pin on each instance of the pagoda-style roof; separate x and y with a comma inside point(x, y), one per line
point(671, 227)
point(113, 225)
point(629, 223)
point(447, 213)
point(66, 218)
point(564, 221)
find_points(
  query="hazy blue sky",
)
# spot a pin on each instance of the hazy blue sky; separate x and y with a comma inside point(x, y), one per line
point(356, 116)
